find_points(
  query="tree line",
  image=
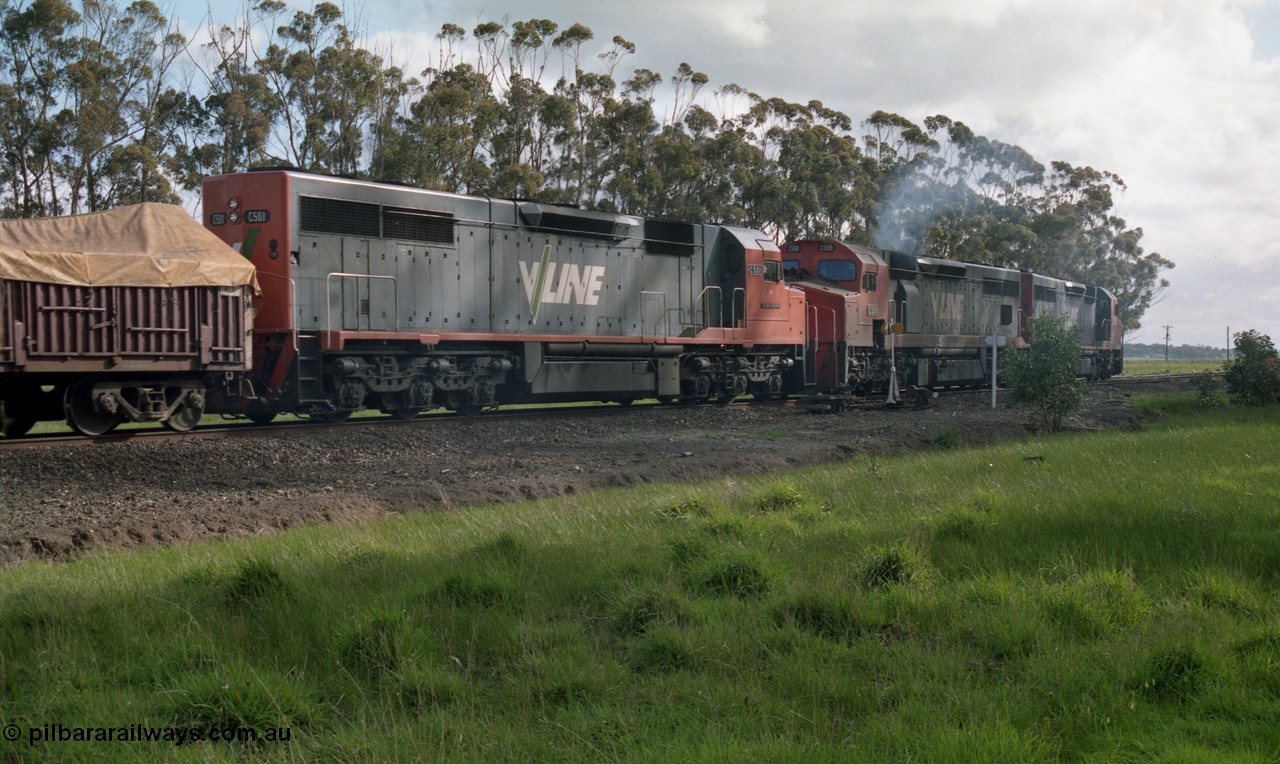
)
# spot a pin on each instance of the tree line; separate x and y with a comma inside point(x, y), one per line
point(105, 103)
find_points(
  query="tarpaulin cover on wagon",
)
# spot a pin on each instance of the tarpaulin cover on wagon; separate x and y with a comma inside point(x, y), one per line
point(147, 244)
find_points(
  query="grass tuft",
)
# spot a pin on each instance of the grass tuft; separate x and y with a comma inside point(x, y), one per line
point(662, 650)
point(254, 582)
point(1176, 674)
point(778, 498)
point(375, 648)
point(732, 575)
point(892, 565)
point(470, 589)
point(833, 617)
point(637, 613)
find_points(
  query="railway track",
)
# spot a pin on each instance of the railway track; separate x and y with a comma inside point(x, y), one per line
point(239, 428)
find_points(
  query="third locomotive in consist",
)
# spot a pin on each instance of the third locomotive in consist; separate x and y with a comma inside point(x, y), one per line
point(379, 296)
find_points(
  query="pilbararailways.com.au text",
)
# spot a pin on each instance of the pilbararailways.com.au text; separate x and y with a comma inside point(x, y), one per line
point(140, 733)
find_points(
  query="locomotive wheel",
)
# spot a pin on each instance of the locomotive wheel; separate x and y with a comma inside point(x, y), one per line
point(399, 405)
point(187, 414)
point(261, 417)
point(83, 417)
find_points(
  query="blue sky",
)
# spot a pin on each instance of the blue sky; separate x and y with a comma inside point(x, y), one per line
point(1180, 98)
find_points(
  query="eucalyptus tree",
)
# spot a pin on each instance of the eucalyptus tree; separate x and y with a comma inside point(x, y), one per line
point(328, 89)
point(117, 89)
point(36, 48)
point(227, 130)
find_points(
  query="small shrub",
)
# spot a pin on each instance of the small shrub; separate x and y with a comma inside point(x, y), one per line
point(1208, 393)
point(1253, 376)
point(897, 564)
point(1043, 375)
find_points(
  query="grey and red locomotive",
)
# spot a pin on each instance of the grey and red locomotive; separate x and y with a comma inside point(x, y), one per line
point(380, 296)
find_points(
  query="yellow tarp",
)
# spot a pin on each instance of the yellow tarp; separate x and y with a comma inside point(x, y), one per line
point(141, 245)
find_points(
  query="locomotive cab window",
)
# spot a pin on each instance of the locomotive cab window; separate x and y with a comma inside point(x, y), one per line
point(868, 282)
point(838, 270)
point(773, 270)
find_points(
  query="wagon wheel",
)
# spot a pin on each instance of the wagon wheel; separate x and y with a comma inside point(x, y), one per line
point(187, 414)
point(332, 417)
point(261, 417)
point(81, 413)
point(403, 414)
point(15, 425)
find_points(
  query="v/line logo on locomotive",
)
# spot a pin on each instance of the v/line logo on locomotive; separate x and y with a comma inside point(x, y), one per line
point(574, 285)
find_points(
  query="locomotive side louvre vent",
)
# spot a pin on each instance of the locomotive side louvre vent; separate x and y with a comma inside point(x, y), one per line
point(668, 237)
point(339, 216)
point(417, 225)
point(348, 218)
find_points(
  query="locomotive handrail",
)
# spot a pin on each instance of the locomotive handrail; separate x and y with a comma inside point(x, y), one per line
point(733, 308)
point(702, 300)
point(328, 304)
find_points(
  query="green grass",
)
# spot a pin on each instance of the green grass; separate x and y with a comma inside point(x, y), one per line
point(1114, 599)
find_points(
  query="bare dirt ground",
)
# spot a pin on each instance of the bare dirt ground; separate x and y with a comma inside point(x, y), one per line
point(58, 502)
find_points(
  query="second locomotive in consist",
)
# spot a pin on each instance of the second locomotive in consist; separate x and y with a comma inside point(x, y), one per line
point(872, 310)
point(401, 299)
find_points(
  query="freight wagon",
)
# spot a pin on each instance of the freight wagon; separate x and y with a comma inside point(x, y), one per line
point(136, 314)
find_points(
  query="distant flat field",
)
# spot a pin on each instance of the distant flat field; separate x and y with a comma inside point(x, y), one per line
point(1158, 365)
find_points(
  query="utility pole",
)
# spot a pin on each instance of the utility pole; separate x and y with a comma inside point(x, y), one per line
point(1228, 344)
point(1166, 345)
